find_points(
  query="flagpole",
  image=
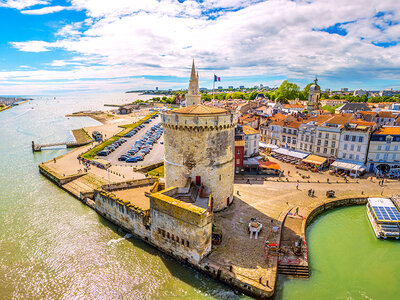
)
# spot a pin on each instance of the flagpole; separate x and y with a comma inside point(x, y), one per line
point(213, 86)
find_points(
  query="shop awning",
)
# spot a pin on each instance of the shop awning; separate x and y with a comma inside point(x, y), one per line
point(269, 165)
point(291, 153)
point(348, 166)
point(269, 146)
point(252, 162)
point(314, 159)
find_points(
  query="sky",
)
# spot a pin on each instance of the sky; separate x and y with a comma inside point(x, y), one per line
point(77, 46)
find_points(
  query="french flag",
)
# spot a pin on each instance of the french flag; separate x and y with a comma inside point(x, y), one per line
point(216, 78)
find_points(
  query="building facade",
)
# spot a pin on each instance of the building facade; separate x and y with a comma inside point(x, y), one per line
point(354, 141)
point(289, 134)
point(384, 150)
point(251, 141)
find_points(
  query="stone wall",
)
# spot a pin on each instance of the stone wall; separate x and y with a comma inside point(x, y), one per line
point(57, 178)
point(201, 146)
point(129, 184)
point(331, 205)
point(123, 213)
point(180, 229)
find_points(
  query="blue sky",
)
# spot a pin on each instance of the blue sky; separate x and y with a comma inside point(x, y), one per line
point(99, 45)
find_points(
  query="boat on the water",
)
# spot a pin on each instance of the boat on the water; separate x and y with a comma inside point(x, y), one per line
point(384, 218)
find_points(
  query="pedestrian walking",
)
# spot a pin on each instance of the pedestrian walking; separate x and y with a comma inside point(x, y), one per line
point(297, 186)
point(312, 193)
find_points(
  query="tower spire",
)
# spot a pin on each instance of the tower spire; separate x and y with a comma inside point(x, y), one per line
point(193, 96)
point(193, 74)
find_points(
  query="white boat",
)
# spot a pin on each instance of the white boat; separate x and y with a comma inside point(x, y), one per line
point(384, 218)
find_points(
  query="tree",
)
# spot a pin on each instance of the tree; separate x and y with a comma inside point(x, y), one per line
point(287, 91)
point(206, 97)
point(324, 96)
point(253, 95)
point(304, 93)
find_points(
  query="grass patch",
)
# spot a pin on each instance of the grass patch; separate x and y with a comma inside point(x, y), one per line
point(159, 172)
point(81, 135)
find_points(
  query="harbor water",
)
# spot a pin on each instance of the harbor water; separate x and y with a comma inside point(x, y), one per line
point(54, 247)
point(346, 260)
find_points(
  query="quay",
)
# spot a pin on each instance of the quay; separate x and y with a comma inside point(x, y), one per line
point(238, 261)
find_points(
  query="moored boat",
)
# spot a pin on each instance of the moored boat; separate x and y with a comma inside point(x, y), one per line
point(384, 218)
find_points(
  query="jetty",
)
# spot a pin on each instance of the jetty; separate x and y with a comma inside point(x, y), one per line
point(38, 147)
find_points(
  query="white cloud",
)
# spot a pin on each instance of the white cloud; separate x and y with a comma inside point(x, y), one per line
point(45, 10)
point(21, 4)
point(246, 38)
point(34, 46)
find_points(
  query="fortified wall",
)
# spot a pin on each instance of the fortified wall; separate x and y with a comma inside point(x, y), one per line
point(180, 228)
point(201, 146)
point(123, 213)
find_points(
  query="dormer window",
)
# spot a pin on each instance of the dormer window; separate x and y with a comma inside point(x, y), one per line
point(389, 139)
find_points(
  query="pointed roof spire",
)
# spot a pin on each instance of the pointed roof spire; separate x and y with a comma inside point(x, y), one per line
point(316, 79)
point(193, 74)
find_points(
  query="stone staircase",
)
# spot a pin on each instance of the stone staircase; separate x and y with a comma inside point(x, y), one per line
point(77, 186)
point(294, 270)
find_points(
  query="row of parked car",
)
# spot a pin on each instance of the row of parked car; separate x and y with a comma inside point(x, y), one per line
point(143, 146)
point(111, 148)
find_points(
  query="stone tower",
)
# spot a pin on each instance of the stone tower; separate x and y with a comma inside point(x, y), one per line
point(193, 96)
point(314, 96)
point(199, 145)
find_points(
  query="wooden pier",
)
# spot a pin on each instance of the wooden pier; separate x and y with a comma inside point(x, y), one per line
point(38, 147)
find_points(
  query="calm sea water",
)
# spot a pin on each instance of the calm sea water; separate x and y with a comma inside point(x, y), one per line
point(54, 247)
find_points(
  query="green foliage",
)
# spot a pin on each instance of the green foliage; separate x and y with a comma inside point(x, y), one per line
point(329, 108)
point(324, 96)
point(253, 95)
point(287, 91)
point(139, 101)
point(303, 95)
point(206, 97)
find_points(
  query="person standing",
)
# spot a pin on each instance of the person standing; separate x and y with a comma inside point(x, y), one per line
point(297, 186)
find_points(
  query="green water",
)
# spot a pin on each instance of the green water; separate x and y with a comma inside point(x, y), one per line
point(347, 260)
point(54, 247)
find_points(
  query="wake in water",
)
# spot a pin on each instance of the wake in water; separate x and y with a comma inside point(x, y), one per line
point(115, 241)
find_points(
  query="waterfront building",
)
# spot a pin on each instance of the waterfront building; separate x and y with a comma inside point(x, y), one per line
point(199, 147)
point(314, 96)
point(328, 135)
point(354, 141)
point(307, 133)
point(384, 150)
point(289, 134)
